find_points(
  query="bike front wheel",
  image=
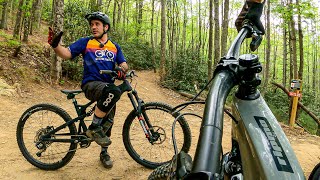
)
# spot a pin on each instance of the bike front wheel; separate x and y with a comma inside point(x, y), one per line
point(37, 121)
point(160, 116)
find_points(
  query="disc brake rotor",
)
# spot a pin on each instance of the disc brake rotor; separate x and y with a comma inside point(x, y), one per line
point(159, 134)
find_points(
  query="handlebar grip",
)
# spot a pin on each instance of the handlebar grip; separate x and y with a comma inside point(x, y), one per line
point(106, 71)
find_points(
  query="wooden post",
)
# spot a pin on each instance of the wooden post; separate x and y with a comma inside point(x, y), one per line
point(294, 109)
point(296, 86)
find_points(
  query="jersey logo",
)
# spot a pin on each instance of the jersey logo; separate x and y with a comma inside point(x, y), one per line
point(278, 154)
point(104, 55)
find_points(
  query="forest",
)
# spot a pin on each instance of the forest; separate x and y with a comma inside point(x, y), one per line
point(183, 40)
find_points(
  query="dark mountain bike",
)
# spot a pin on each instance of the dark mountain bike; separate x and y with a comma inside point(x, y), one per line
point(260, 148)
point(48, 137)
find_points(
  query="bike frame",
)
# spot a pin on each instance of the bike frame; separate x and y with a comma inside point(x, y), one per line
point(136, 102)
point(264, 148)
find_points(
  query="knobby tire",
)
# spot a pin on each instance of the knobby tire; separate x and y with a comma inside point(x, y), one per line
point(164, 119)
point(36, 119)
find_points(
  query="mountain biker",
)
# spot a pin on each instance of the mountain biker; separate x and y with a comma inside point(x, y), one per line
point(99, 53)
point(252, 10)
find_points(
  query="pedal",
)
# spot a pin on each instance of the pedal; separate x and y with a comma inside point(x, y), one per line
point(85, 141)
point(85, 144)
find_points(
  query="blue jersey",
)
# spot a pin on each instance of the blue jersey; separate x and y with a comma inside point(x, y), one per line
point(96, 58)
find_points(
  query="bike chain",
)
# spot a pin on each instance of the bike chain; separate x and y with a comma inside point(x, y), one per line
point(78, 142)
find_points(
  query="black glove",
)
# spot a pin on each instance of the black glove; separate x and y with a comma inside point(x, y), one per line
point(54, 40)
point(121, 75)
point(253, 12)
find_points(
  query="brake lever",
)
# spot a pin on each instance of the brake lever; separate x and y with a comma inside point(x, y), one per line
point(256, 41)
point(256, 35)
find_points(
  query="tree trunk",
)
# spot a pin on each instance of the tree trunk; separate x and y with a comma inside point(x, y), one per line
point(120, 5)
point(314, 72)
point(56, 68)
point(268, 48)
point(173, 34)
point(35, 13)
point(224, 32)
point(300, 75)
point(192, 30)
point(163, 40)
point(210, 73)
point(114, 16)
point(309, 62)
point(17, 26)
point(26, 22)
point(293, 44)
point(4, 24)
point(284, 62)
point(108, 7)
point(151, 39)
point(216, 33)
point(124, 24)
point(274, 74)
point(94, 6)
point(139, 20)
point(38, 14)
point(200, 28)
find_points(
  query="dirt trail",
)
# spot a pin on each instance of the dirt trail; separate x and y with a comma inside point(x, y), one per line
point(86, 164)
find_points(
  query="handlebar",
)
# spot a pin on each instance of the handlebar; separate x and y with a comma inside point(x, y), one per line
point(247, 29)
point(125, 86)
point(130, 74)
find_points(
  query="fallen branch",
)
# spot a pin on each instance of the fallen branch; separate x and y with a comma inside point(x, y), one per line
point(191, 96)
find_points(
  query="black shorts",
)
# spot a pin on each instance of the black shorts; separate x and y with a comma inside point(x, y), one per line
point(94, 89)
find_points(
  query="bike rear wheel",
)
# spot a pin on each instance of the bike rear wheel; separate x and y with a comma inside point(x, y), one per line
point(161, 118)
point(36, 122)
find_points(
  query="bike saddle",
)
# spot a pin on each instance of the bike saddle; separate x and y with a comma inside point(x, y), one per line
point(71, 93)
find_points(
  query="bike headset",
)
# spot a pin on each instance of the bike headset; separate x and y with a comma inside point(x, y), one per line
point(101, 17)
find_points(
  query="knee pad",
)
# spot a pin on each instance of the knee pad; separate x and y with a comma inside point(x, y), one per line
point(111, 94)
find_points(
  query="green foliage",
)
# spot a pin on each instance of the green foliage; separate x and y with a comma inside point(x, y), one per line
point(8, 41)
point(186, 72)
point(310, 100)
point(75, 25)
point(278, 102)
point(72, 69)
point(26, 8)
point(138, 54)
point(307, 122)
point(46, 12)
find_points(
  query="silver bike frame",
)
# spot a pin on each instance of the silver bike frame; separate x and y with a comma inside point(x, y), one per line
point(264, 148)
point(265, 151)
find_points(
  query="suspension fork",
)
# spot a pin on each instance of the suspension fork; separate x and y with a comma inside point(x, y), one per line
point(138, 106)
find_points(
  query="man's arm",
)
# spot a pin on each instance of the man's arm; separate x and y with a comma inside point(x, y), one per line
point(62, 52)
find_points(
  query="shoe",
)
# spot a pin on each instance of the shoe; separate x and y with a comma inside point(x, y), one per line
point(99, 136)
point(106, 160)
